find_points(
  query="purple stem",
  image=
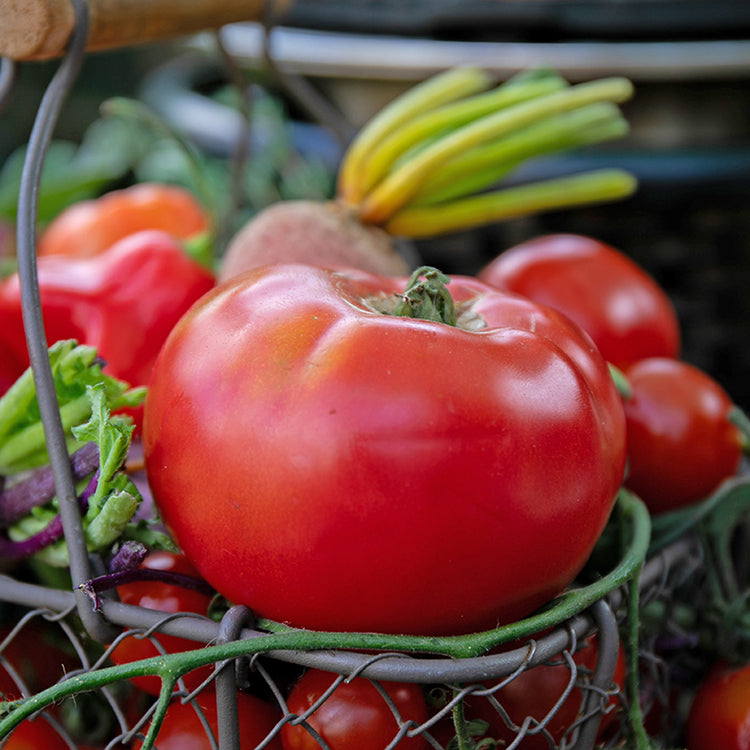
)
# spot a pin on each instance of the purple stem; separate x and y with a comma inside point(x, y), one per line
point(128, 557)
point(96, 586)
point(112, 580)
point(19, 499)
point(10, 550)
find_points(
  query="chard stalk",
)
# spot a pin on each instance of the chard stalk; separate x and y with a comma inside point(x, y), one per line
point(446, 87)
point(434, 124)
point(513, 202)
point(395, 191)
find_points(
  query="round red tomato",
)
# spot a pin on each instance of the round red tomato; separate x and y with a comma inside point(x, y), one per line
point(622, 308)
point(339, 468)
point(355, 716)
point(165, 598)
point(719, 716)
point(681, 444)
point(182, 728)
point(35, 735)
point(39, 655)
point(535, 692)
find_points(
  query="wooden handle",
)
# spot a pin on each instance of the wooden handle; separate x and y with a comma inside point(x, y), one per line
point(40, 29)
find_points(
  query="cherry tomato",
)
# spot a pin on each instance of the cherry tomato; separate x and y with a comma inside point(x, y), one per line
point(681, 444)
point(90, 227)
point(182, 728)
point(35, 735)
point(719, 716)
point(355, 716)
point(165, 598)
point(616, 302)
point(39, 655)
point(535, 692)
point(340, 468)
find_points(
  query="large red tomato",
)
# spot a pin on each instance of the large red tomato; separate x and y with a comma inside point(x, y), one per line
point(355, 716)
point(719, 716)
point(681, 444)
point(336, 467)
point(616, 302)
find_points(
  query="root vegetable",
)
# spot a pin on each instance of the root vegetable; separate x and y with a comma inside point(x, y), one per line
point(312, 232)
point(429, 163)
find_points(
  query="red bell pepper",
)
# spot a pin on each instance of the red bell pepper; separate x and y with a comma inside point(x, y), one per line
point(123, 302)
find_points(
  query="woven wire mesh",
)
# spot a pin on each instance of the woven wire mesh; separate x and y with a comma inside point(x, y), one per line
point(122, 712)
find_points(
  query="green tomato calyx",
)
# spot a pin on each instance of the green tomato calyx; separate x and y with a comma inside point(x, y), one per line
point(427, 297)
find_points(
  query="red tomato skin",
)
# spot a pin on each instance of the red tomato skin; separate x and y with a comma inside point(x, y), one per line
point(535, 692)
point(166, 598)
point(681, 444)
point(341, 469)
point(622, 308)
point(39, 654)
point(355, 716)
point(719, 716)
point(35, 735)
point(182, 728)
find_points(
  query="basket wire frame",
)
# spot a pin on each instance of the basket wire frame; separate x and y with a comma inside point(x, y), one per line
point(113, 621)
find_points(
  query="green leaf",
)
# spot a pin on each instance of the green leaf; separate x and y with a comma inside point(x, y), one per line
point(115, 498)
point(74, 367)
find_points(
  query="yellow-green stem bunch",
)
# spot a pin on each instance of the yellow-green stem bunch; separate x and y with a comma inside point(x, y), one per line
point(430, 162)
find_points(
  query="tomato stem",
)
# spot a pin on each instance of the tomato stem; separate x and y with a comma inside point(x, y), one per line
point(741, 421)
point(463, 736)
point(640, 740)
point(621, 382)
point(427, 297)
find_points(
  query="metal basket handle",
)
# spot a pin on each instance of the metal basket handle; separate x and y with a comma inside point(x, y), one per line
point(41, 29)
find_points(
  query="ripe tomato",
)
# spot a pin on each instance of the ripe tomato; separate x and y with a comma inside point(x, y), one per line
point(681, 444)
point(35, 735)
point(719, 716)
point(182, 728)
point(338, 468)
point(39, 654)
point(535, 692)
point(616, 302)
point(355, 716)
point(166, 598)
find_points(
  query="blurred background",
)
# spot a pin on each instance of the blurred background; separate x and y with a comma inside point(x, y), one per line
point(311, 78)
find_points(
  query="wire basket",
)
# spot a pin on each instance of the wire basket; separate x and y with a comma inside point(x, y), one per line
point(243, 659)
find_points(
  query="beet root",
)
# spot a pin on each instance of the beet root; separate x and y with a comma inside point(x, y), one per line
point(321, 234)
